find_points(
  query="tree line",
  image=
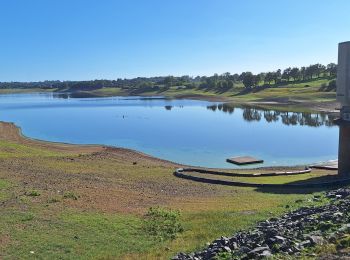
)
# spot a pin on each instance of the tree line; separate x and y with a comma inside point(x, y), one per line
point(294, 74)
point(222, 82)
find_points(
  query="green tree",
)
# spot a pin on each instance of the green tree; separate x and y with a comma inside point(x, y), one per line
point(286, 74)
point(295, 73)
point(248, 79)
point(331, 69)
point(269, 78)
point(277, 76)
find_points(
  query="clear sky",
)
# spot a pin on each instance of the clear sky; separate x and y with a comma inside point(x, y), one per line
point(109, 39)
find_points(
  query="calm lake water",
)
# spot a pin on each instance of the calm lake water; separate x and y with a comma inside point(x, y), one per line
point(192, 132)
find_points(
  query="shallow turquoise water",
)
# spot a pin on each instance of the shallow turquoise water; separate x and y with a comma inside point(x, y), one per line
point(191, 132)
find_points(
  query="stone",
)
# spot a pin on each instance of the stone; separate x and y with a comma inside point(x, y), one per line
point(316, 240)
point(265, 254)
point(244, 249)
point(227, 249)
point(345, 228)
point(259, 250)
point(234, 245)
point(282, 235)
point(279, 239)
point(305, 243)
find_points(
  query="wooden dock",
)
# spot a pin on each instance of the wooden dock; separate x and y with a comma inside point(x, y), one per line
point(244, 160)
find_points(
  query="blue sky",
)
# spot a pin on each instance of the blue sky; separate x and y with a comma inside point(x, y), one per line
point(101, 39)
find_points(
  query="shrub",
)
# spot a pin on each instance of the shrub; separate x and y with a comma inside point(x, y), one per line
point(325, 226)
point(224, 256)
point(332, 85)
point(70, 195)
point(162, 223)
point(33, 193)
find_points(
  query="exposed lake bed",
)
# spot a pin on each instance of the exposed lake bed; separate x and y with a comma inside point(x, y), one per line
point(192, 132)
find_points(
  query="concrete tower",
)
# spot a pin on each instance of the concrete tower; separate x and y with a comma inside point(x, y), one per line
point(343, 96)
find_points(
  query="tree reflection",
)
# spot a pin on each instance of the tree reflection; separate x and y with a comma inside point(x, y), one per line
point(270, 116)
point(251, 114)
point(226, 108)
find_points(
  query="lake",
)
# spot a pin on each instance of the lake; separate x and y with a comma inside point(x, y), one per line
point(192, 132)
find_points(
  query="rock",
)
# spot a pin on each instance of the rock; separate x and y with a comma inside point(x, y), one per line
point(345, 228)
point(234, 245)
point(227, 249)
point(279, 239)
point(282, 235)
point(338, 214)
point(259, 250)
point(316, 240)
point(332, 239)
point(265, 254)
point(244, 249)
point(305, 243)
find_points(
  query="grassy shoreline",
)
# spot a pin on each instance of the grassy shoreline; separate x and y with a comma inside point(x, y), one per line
point(95, 195)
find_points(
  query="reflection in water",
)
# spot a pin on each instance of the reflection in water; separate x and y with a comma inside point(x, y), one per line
point(287, 118)
point(61, 95)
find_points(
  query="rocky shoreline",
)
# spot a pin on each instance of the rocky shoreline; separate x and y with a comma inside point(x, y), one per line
point(292, 234)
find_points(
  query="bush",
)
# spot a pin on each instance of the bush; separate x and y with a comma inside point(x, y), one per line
point(70, 195)
point(33, 193)
point(162, 223)
point(224, 256)
point(332, 85)
point(325, 226)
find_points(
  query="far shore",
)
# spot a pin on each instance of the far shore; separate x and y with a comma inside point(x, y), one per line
point(281, 103)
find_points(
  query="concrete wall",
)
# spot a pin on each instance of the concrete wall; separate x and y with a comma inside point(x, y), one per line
point(344, 150)
point(343, 74)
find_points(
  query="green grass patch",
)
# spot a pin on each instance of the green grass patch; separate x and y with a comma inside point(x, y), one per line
point(4, 186)
point(74, 235)
point(163, 224)
point(10, 150)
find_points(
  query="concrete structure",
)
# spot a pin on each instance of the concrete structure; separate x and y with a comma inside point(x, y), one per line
point(343, 96)
point(343, 75)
